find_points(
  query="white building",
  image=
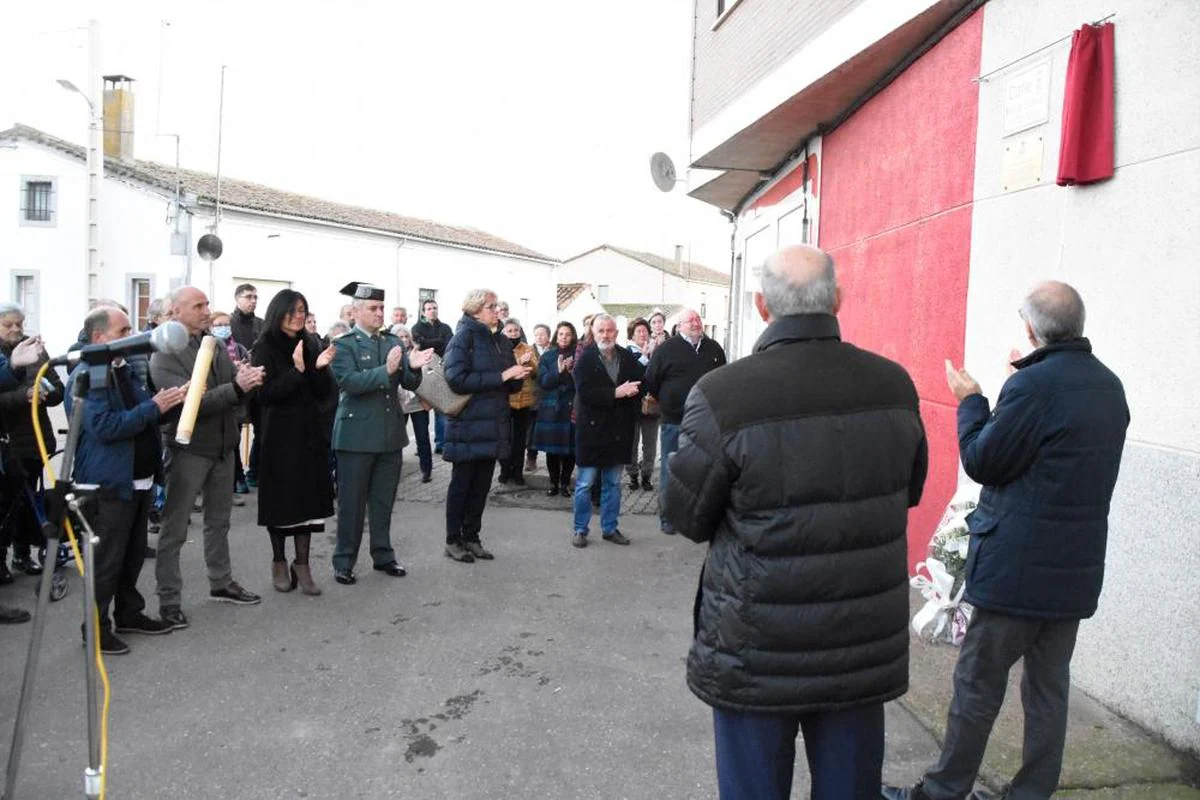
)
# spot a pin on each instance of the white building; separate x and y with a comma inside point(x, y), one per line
point(630, 283)
point(575, 302)
point(271, 238)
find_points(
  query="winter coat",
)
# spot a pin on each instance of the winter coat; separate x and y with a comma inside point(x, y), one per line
point(475, 358)
point(246, 328)
point(799, 464)
point(15, 416)
point(427, 334)
point(1048, 457)
point(217, 430)
point(527, 396)
point(109, 433)
point(674, 369)
point(554, 432)
point(369, 418)
point(294, 483)
point(603, 423)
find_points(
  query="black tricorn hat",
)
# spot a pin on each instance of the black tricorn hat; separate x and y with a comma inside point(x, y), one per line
point(362, 291)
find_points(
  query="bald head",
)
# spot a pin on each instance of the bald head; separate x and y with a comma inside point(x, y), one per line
point(1054, 312)
point(189, 305)
point(799, 280)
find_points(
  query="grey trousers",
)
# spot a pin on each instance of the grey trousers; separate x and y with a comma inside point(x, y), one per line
point(646, 429)
point(992, 645)
point(191, 474)
point(366, 488)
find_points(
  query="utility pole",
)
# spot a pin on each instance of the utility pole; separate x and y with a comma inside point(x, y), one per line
point(95, 169)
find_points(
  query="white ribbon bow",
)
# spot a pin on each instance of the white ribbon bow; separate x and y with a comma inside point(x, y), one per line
point(936, 589)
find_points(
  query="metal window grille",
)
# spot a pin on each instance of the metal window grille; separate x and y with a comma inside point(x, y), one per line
point(38, 195)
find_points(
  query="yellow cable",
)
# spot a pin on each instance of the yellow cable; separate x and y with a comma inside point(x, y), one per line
point(41, 443)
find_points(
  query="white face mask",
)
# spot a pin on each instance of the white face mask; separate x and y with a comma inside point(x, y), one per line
point(222, 331)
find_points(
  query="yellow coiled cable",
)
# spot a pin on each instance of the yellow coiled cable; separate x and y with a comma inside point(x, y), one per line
point(41, 443)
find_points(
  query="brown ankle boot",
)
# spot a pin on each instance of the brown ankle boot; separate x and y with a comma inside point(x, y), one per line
point(302, 573)
point(279, 576)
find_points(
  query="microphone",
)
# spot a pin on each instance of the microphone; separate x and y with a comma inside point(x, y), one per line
point(170, 337)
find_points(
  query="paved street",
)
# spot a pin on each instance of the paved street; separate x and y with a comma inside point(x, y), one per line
point(548, 673)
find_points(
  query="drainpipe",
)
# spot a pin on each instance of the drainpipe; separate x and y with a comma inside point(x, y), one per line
point(734, 287)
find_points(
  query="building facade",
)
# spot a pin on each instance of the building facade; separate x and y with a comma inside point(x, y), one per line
point(271, 238)
point(918, 143)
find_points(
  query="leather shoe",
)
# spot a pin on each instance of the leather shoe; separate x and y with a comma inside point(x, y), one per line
point(426, 477)
point(395, 569)
point(903, 792)
point(345, 576)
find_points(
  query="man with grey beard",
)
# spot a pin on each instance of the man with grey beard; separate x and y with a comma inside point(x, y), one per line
point(607, 385)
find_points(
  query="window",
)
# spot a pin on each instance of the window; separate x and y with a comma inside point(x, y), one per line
point(38, 201)
point(141, 292)
point(703, 310)
point(25, 294)
point(602, 293)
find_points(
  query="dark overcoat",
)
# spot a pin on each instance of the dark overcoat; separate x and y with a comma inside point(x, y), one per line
point(294, 483)
point(554, 432)
point(475, 358)
point(604, 424)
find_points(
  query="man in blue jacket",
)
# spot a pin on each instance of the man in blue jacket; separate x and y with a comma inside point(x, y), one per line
point(120, 453)
point(1047, 457)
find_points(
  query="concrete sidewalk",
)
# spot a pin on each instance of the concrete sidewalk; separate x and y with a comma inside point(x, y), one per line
point(551, 672)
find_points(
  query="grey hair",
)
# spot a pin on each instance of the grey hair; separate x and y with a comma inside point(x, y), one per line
point(1055, 312)
point(340, 327)
point(158, 307)
point(397, 328)
point(475, 300)
point(7, 309)
point(512, 321)
point(815, 296)
point(602, 317)
point(97, 321)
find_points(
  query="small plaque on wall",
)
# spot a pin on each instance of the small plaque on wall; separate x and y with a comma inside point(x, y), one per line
point(1022, 164)
point(1027, 98)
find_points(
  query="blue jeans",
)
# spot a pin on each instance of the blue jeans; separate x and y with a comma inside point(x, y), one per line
point(756, 753)
point(439, 430)
point(610, 497)
point(420, 426)
point(669, 443)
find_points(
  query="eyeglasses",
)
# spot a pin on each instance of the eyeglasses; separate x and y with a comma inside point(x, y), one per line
point(491, 306)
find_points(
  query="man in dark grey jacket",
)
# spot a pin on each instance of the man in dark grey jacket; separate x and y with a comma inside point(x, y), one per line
point(205, 465)
point(798, 464)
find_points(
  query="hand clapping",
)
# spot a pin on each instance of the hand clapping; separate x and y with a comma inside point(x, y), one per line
point(30, 351)
point(629, 389)
point(961, 383)
point(419, 358)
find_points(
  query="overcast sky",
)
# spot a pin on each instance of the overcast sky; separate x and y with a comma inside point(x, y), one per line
point(531, 119)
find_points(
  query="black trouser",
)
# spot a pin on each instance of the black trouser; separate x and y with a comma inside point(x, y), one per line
point(121, 528)
point(992, 645)
point(521, 417)
point(469, 485)
point(530, 450)
point(560, 468)
point(18, 488)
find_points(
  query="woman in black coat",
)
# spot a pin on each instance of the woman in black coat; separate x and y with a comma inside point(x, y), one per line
point(481, 364)
point(295, 493)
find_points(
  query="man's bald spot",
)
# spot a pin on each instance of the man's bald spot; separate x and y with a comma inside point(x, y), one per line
point(187, 294)
point(1055, 312)
point(798, 264)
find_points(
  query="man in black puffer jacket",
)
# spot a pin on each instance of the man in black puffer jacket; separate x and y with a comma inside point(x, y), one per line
point(799, 464)
point(1048, 457)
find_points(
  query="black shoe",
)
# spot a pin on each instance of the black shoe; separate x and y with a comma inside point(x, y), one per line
point(502, 478)
point(395, 569)
point(5, 575)
point(150, 553)
point(567, 491)
point(13, 616)
point(459, 552)
point(345, 577)
point(241, 488)
point(518, 480)
point(233, 593)
point(25, 563)
point(647, 486)
point(552, 491)
point(426, 477)
point(633, 483)
point(477, 549)
point(140, 623)
point(903, 792)
point(173, 615)
point(437, 450)
point(111, 644)
point(616, 537)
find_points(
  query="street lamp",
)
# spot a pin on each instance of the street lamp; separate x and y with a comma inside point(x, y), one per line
point(95, 168)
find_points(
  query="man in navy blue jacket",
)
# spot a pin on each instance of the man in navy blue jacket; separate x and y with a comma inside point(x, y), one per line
point(120, 452)
point(1047, 457)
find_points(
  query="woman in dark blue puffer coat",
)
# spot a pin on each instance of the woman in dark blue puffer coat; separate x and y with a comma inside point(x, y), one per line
point(479, 362)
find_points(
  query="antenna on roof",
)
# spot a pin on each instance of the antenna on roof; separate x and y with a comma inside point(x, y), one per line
point(662, 172)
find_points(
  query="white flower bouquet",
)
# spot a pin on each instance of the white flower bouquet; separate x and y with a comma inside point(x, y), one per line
point(941, 577)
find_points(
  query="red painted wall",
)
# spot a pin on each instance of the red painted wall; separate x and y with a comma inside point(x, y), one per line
point(896, 216)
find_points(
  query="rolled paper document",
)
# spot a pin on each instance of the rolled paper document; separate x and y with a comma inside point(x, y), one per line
point(191, 405)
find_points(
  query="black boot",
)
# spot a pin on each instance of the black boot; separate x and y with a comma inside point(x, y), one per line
point(553, 491)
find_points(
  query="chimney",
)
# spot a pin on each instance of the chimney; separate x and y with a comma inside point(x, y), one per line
point(118, 117)
point(679, 259)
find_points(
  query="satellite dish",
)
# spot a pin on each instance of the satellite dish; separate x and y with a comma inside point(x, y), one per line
point(209, 247)
point(662, 171)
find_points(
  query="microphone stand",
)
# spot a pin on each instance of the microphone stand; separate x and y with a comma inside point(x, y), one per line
point(58, 499)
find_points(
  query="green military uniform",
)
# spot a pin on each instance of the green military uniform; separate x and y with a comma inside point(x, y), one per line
point(368, 435)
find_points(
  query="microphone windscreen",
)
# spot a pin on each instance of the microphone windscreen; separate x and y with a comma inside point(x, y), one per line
point(170, 337)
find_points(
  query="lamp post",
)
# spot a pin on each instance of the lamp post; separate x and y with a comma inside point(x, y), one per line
point(95, 169)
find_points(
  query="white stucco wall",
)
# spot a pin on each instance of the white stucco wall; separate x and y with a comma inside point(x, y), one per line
point(1128, 245)
point(631, 281)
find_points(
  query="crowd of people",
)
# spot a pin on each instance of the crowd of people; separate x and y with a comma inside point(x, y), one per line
point(326, 419)
point(796, 466)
